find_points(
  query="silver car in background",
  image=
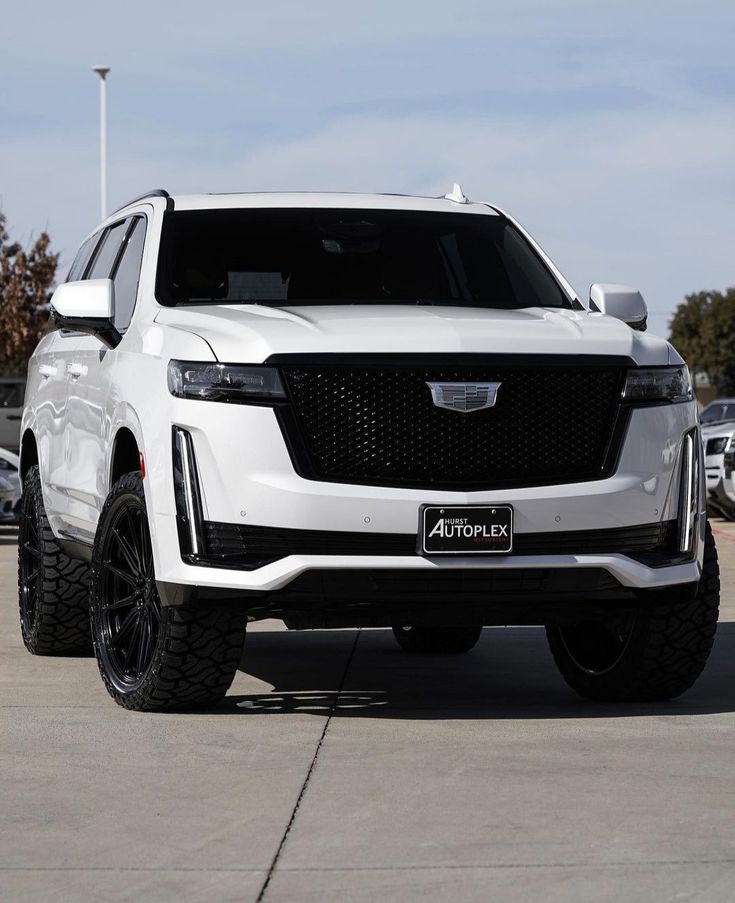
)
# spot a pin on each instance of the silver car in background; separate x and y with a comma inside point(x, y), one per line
point(9, 487)
point(12, 391)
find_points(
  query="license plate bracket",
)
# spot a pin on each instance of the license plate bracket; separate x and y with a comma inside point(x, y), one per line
point(466, 530)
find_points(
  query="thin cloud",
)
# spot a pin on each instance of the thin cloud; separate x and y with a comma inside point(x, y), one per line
point(609, 133)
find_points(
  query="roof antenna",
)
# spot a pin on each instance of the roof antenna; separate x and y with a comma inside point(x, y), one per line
point(457, 195)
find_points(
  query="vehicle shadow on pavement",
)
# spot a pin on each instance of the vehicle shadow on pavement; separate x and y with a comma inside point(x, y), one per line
point(8, 536)
point(509, 675)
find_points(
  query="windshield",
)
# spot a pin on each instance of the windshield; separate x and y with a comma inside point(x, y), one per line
point(296, 257)
point(717, 412)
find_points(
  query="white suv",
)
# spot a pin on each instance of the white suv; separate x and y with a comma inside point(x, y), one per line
point(355, 410)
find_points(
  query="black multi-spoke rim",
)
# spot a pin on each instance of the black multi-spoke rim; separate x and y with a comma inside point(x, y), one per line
point(129, 608)
point(596, 647)
point(30, 556)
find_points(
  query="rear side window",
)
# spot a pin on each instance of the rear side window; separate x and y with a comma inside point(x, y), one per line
point(127, 273)
point(82, 259)
point(714, 413)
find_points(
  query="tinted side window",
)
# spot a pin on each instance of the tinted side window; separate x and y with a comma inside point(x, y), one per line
point(107, 251)
point(82, 259)
point(128, 273)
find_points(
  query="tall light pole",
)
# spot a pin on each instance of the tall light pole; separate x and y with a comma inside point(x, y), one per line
point(102, 72)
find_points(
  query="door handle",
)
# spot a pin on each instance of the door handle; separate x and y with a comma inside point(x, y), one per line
point(76, 370)
point(13, 417)
point(46, 370)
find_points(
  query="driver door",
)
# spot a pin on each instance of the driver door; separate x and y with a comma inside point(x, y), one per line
point(90, 403)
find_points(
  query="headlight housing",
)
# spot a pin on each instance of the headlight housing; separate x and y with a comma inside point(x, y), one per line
point(717, 445)
point(646, 385)
point(233, 383)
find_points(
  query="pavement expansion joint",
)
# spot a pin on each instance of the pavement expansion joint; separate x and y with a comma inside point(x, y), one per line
point(312, 766)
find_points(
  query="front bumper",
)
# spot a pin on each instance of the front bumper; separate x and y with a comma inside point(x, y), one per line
point(246, 477)
point(279, 574)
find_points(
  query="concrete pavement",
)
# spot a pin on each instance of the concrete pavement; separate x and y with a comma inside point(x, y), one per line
point(339, 768)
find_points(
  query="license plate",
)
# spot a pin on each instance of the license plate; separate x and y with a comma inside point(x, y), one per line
point(470, 530)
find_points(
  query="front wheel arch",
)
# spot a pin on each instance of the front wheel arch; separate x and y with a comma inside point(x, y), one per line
point(126, 455)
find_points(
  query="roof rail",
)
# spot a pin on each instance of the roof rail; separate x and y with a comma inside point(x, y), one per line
point(153, 193)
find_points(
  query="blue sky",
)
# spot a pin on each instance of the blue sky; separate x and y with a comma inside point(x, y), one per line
point(607, 128)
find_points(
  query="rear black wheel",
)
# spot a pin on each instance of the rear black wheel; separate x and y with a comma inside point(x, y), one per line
point(444, 640)
point(53, 589)
point(651, 653)
point(152, 657)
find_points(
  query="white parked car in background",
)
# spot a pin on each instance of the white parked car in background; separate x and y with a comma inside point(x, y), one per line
point(9, 487)
point(717, 442)
point(355, 410)
point(719, 410)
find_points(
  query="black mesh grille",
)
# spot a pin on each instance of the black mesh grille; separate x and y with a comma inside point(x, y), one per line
point(241, 546)
point(377, 424)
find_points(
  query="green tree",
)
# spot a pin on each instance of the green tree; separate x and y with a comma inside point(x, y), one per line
point(26, 282)
point(703, 332)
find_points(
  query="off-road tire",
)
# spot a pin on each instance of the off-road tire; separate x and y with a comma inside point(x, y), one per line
point(54, 606)
point(437, 640)
point(197, 650)
point(666, 651)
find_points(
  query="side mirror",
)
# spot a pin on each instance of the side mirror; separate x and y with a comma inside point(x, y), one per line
point(619, 301)
point(87, 306)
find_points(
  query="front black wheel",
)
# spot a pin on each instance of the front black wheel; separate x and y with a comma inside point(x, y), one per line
point(644, 654)
point(151, 657)
point(440, 640)
point(53, 589)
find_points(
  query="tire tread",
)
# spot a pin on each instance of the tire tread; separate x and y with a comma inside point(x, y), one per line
point(199, 649)
point(671, 653)
point(62, 624)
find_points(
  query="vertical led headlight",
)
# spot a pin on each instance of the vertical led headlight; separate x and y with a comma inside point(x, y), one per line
point(689, 492)
point(187, 495)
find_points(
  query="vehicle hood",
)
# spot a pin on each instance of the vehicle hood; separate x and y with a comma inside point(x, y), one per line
point(713, 430)
point(251, 333)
